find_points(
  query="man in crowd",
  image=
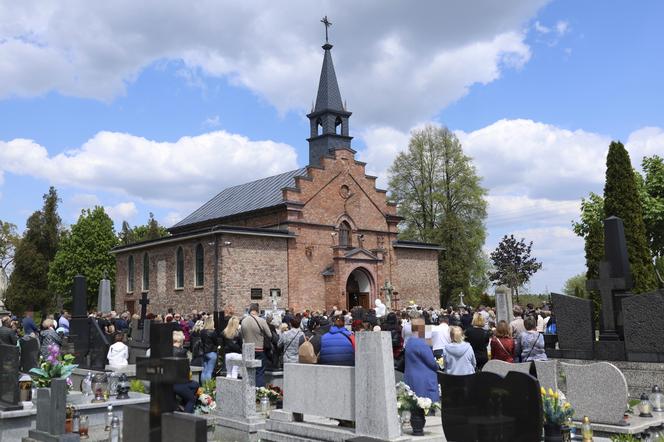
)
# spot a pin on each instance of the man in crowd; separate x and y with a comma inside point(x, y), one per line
point(29, 325)
point(253, 329)
point(7, 334)
point(337, 346)
point(517, 323)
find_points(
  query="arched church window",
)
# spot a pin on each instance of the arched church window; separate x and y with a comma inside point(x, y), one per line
point(130, 274)
point(179, 268)
point(146, 272)
point(344, 234)
point(200, 266)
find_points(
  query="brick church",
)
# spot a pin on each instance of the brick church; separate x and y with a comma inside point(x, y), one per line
point(311, 238)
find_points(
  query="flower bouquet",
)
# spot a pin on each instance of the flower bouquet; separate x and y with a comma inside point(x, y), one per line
point(556, 408)
point(407, 400)
point(271, 392)
point(205, 404)
point(56, 366)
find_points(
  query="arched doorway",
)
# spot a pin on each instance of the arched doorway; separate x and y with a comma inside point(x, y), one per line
point(358, 289)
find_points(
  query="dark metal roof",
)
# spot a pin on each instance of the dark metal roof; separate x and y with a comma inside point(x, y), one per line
point(246, 197)
point(329, 97)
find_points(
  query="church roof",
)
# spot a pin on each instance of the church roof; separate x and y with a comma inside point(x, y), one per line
point(328, 97)
point(255, 195)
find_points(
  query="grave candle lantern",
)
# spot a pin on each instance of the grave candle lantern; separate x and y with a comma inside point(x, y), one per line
point(645, 406)
point(100, 387)
point(657, 399)
point(123, 387)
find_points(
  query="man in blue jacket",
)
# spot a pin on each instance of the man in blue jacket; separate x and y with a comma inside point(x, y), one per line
point(337, 347)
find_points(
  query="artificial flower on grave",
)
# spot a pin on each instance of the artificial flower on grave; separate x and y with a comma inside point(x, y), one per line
point(407, 400)
point(555, 407)
point(273, 393)
point(55, 366)
point(205, 404)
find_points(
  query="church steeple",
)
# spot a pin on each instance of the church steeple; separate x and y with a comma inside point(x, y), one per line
point(329, 118)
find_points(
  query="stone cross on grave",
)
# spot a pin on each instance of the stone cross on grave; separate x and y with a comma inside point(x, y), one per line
point(163, 371)
point(237, 397)
point(144, 308)
point(606, 286)
point(461, 304)
point(51, 404)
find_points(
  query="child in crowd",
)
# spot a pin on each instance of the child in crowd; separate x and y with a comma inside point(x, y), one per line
point(118, 353)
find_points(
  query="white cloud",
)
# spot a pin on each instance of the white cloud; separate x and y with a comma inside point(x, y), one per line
point(539, 27)
point(212, 121)
point(122, 211)
point(397, 64)
point(562, 27)
point(180, 174)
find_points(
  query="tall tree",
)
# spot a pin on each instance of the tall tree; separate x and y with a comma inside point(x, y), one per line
point(28, 284)
point(151, 230)
point(591, 228)
point(622, 199)
point(9, 240)
point(85, 251)
point(652, 195)
point(513, 264)
point(576, 286)
point(439, 195)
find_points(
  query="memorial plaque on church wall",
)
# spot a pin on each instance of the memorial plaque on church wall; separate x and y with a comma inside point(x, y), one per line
point(643, 341)
point(574, 323)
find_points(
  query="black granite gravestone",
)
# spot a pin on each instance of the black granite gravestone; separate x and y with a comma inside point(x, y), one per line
point(29, 353)
point(489, 408)
point(574, 323)
point(9, 373)
point(162, 370)
point(615, 250)
point(643, 340)
point(79, 324)
point(99, 345)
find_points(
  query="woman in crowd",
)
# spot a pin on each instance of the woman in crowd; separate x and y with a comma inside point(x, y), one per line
point(478, 338)
point(530, 344)
point(290, 341)
point(420, 365)
point(232, 346)
point(48, 336)
point(187, 390)
point(196, 345)
point(502, 345)
point(458, 355)
point(209, 344)
point(392, 325)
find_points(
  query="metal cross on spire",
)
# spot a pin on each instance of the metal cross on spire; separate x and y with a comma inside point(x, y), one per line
point(327, 24)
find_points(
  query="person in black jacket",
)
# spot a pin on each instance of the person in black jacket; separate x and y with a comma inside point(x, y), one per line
point(209, 342)
point(187, 390)
point(478, 338)
point(7, 334)
point(232, 346)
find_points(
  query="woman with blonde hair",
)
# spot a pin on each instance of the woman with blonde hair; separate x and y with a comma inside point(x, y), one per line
point(458, 355)
point(478, 338)
point(209, 344)
point(232, 346)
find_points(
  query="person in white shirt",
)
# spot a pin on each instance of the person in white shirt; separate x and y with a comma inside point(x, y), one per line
point(440, 336)
point(118, 353)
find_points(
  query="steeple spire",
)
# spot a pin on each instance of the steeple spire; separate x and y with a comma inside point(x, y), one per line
point(329, 117)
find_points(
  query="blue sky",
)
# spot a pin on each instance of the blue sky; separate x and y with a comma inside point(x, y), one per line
point(157, 107)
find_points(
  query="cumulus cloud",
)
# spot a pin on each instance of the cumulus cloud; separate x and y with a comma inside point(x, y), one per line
point(122, 212)
point(397, 64)
point(178, 174)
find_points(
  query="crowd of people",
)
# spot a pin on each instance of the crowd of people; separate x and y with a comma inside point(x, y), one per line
point(457, 340)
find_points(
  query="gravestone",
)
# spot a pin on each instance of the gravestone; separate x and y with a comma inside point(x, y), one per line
point(140, 339)
point(144, 308)
point(574, 321)
point(501, 368)
point(99, 345)
point(375, 396)
point(51, 403)
point(29, 353)
point(547, 374)
point(175, 426)
point(162, 370)
point(597, 390)
point(9, 374)
point(485, 406)
point(643, 342)
point(104, 296)
point(504, 305)
point(236, 398)
point(79, 324)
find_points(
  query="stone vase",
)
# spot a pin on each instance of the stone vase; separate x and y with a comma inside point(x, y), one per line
point(417, 421)
point(553, 433)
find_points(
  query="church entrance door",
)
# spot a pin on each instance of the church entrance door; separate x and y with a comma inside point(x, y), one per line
point(358, 289)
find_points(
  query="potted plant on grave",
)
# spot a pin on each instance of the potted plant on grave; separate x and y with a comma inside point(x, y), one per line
point(556, 411)
point(55, 366)
point(418, 407)
point(277, 396)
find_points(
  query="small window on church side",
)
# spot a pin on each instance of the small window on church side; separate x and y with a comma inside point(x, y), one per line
point(179, 268)
point(200, 266)
point(256, 294)
point(130, 274)
point(146, 272)
point(344, 235)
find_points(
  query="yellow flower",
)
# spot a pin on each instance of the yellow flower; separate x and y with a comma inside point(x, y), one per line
point(555, 395)
point(566, 405)
point(550, 392)
point(543, 391)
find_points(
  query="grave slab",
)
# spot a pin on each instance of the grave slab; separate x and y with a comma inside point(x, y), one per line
point(504, 308)
point(501, 368)
point(547, 374)
point(574, 319)
point(643, 342)
point(9, 374)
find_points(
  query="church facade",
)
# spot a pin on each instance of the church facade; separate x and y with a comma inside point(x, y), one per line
point(312, 238)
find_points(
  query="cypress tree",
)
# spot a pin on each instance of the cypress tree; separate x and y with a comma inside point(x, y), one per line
point(621, 199)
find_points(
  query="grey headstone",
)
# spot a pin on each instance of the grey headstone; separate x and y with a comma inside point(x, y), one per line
point(182, 426)
point(574, 321)
point(643, 342)
point(375, 396)
point(104, 296)
point(504, 305)
point(502, 368)
point(9, 373)
point(51, 403)
point(237, 397)
point(135, 423)
point(547, 374)
point(597, 390)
